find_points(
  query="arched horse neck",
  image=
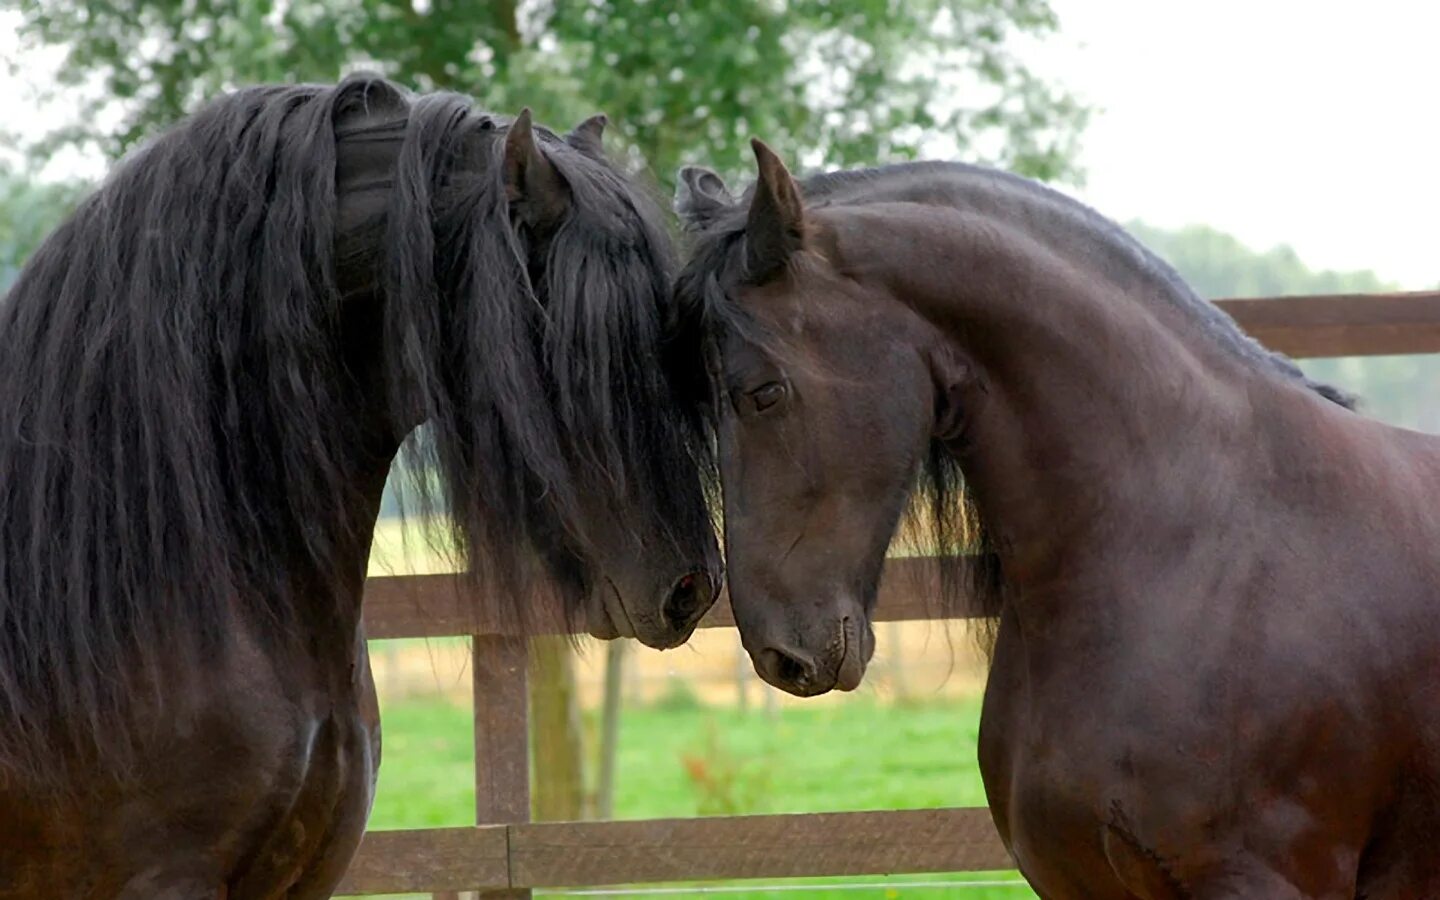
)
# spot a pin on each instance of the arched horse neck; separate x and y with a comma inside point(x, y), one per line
point(1108, 403)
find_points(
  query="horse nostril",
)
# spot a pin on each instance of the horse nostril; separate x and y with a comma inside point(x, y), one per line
point(786, 670)
point(688, 600)
point(791, 670)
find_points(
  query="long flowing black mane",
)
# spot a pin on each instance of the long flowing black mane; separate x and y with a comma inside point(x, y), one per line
point(178, 415)
point(560, 392)
point(942, 520)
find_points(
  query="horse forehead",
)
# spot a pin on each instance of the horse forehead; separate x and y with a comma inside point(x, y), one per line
point(813, 297)
point(779, 306)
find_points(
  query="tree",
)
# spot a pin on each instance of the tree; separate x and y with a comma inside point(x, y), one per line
point(1218, 265)
point(824, 81)
point(29, 209)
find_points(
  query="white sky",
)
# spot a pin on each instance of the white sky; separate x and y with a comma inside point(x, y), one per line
point(1310, 123)
point(1315, 124)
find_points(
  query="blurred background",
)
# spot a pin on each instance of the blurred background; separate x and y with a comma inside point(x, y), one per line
point(1262, 148)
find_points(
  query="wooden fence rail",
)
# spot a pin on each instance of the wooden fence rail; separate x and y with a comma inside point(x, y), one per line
point(1343, 324)
point(505, 855)
point(597, 853)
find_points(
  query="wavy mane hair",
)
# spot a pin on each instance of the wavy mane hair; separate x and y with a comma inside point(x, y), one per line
point(180, 371)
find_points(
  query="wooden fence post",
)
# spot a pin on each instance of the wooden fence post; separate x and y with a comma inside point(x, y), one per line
point(502, 736)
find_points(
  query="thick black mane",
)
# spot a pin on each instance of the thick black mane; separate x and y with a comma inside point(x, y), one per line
point(180, 426)
point(560, 394)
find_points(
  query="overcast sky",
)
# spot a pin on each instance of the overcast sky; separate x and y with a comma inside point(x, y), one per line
point(1310, 123)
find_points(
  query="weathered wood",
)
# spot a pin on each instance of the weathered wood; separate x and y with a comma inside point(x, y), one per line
point(502, 762)
point(558, 854)
point(1343, 324)
point(420, 606)
point(408, 606)
point(858, 843)
point(502, 739)
point(443, 859)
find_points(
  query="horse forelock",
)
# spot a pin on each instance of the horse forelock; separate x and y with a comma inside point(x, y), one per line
point(544, 385)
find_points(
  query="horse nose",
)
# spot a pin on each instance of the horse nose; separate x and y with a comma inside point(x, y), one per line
point(789, 670)
point(687, 600)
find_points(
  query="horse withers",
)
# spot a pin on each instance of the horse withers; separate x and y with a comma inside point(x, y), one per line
point(1214, 668)
point(204, 376)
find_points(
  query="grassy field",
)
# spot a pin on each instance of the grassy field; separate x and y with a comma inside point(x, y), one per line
point(678, 758)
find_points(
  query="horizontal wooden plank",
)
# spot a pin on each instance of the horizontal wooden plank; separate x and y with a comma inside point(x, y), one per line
point(409, 606)
point(1343, 324)
point(431, 859)
point(852, 843)
point(560, 854)
point(1311, 326)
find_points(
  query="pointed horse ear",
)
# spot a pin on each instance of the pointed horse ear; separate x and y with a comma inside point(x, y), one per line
point(700, 197)
point(532, 182)
point(588, 136)
point(776, 227)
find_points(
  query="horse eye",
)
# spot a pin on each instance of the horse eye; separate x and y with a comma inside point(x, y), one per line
point(767, 395)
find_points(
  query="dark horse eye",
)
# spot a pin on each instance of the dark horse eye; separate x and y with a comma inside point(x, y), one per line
point(767, 395)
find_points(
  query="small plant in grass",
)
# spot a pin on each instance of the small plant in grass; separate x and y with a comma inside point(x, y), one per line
point(724, 784)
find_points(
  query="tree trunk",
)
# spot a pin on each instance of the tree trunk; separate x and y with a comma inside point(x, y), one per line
point(558, 793)
point(610, 730)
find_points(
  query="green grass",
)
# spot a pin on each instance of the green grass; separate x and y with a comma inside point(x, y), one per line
point(680, 759)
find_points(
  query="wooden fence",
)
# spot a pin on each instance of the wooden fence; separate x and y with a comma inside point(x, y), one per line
point(505, 855)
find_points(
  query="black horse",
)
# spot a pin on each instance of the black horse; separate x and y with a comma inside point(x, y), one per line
point(205, 374)
point(1215, 665)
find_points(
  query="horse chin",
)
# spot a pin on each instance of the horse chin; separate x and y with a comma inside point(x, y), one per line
point(608, 619)
point(856, 655)
point(601, 627)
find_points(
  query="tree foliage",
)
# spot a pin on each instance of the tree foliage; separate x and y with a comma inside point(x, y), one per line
point(833, 82)
point(29, 209)
point(1218, 265)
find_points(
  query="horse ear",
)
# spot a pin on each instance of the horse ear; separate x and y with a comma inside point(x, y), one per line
point(587, 137)
point(531, 181)
point(776, 227)
point(700, 196)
